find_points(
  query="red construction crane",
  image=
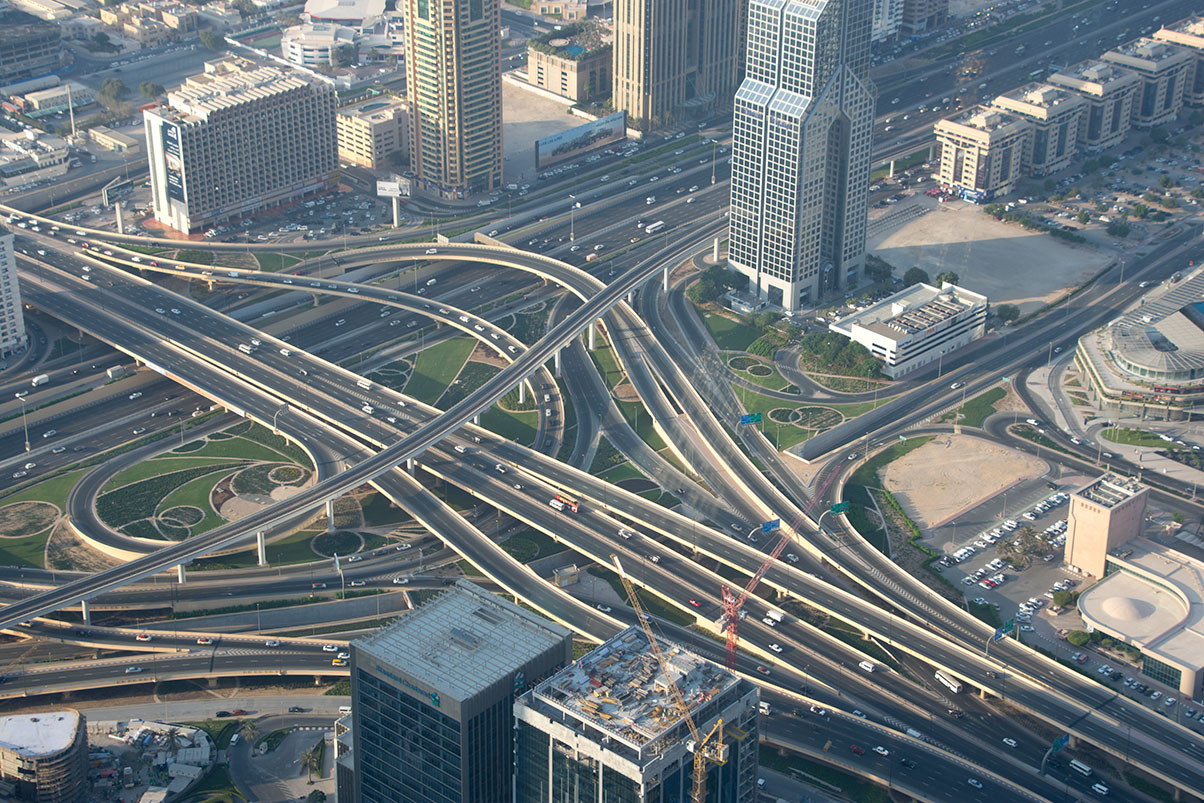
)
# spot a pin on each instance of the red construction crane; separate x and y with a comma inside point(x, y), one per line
point(733, 603)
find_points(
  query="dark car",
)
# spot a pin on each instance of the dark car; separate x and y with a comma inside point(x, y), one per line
point(222, 714)
point(295, 709)
point(907, 762)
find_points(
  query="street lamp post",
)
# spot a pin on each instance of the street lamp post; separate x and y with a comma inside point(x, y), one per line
point(576, 205)
point(714, 153)
point(24, 425)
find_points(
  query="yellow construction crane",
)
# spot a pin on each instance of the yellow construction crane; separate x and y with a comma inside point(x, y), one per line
point(702, 746)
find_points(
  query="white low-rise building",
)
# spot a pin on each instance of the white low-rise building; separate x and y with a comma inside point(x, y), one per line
point(917, 326)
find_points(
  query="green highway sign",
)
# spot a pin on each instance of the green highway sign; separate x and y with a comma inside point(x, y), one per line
point(839, 507)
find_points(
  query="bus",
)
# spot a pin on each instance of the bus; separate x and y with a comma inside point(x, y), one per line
point(1035, 74)
point(653, 228)
point(568, 502)
point(952, 684)
point(1080, 768)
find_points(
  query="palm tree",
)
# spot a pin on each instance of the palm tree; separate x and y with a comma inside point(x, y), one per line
point(250, 731)
point(310, 760)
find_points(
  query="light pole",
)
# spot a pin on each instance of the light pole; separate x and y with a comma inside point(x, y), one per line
point(714, 153)
point(24, 424)
point(576, 205)
point(279, 410)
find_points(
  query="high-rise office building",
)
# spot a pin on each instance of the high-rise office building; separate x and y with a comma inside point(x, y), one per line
point(607, 730)
point(1103, 514)
point(921, 16)
point(432, 698)
point(454, 86)
point(675, 59)
point(982, 152)
point(888, 17)
point(1166, 71)
point(1108, 91)
point(1054, 115)
point(44, 756)
point(1189, 35)
point(235, 139)
point(804, 118)
point(12, 320)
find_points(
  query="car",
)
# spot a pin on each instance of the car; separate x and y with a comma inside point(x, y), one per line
point(355, 583)
point(239, 712)
point(135, 395)
point(329, 648)
point(401, 581)
point(130, 670)
point(143, 637)
point(175, 311)
point(355, 558)
point(907, 762)
point(222, 714)
point(882, 751)
point(30, 465)
point(430, 251)
point(1009, 741)
point(344, 655)
point(603, 608)
point(815, 709)
point(695, 603)
point(58, 450)
point(204, 641)
point(977, 784)
point(775, 647)
point(295, 709)
point(764, 670)
point(858, 749)
point(21, 394)
point(139, 430)
point(318, 585)
point(160, 310)
point(1027, 628)
point(271, 643)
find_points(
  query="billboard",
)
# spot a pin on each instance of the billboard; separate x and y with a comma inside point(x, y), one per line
point(568, 144)
point(397, 188)
point(174, 163)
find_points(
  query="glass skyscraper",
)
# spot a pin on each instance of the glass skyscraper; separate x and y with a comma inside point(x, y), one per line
point(432, 698)
point(802, 133)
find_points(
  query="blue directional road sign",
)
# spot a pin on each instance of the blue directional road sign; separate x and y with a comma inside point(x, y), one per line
point(1061, 742)
point(1008, 627)
point(770, 526)
point(750, 418)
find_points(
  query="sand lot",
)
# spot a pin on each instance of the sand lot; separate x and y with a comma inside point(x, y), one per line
point(952, 473)
point(1003, 261)
point(527, 117)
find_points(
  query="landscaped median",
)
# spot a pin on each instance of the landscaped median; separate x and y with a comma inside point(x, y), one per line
point(786, 423)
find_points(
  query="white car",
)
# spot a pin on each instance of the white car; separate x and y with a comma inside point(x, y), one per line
point(329, 648)
point(775, 647)
point(131, 670)
point(977, 784)
point(271, 643)
point(882, 751)
point(1010, 742)
point(401, 581)
point(603, 608)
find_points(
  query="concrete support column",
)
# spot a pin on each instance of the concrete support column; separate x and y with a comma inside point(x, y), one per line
point(86, 610)
point(396, 212)
point(556, 363)
point(891, 171)
point(522, 392)
point(120, 220)
point(213, 683)
point(329, 515)
point(665, 282)
point(317, 680)
point(181, 574)
point(262, 547)
point(631, 298)
point(593, 337)
point(410, 465)
point(715, 250)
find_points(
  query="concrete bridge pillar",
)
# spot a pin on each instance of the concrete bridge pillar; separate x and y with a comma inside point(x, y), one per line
point(329, 515)
point(556, 363)
point(120, 218)
point(715, 250)
point(181, 573)
point(317, 680)
point(86, 610)
point(891, 171)
point(593, 342)
point(631, 298)
point(262, 548)
point(396, 211)
point(665, 280)
point(213, 683)
point(522, 392)
point(410, 465)
point(476, 419)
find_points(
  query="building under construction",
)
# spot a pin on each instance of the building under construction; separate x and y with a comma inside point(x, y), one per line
point(606, 729)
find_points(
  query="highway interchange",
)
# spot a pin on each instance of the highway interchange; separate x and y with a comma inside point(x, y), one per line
point(659, 350)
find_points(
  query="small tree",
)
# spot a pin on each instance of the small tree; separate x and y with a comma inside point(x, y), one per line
point(316, 796)
point(1062, 598)
point(947, 276)
point(1007, 312)
point(211, 40)
point(1119, 229)
point(150, 90)
point(915, 275)
point(1083, 217)
point(1078, 637)
point(1165, 181)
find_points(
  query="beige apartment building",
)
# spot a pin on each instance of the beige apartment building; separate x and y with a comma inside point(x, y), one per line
point(1055, 115)
point(982, 151)
point(370, 133)
point(676, 58)
point(236, 139)
point(1189, 35)
point(1164, 70)
point(576, 76)
point(1108, 91)
point(1103, 514)
point(454, 94)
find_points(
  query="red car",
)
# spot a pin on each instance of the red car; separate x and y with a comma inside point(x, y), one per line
point(241, 712)
point(696, 603)
point(856, 748)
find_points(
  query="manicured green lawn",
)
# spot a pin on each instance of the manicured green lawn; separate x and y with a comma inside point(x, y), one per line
point(641, 421)
point(196, 494)
point(1133, 437)
point(54, 490)
point(29, 551)
point(274, 262)
point(729, 335)
point(608, 366)
point(155, 467)
point(783, 436)
point(861, 408)
point(625, 471)
point(518, 427)
point(436, 367)
point(975, 411)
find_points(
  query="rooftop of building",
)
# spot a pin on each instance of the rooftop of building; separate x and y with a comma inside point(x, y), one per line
point(39, 735)
point(1110, 490)
point(986, 118)
point(463, 641)
point(344, 10)
point(1190, 30)
point(17, 25)
point(374, 110)
point(1147, 50)
point(1156, 602)
point(315, 33)
point(226, 83)
point(1094, 72)
point(574, 42)
point(1040, 95)
point(619, 687)
point(1166, 333)
point(912, 310)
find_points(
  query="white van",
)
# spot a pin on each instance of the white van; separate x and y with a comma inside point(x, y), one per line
point(1099, 789)
point(344, 709)
point(867, 666)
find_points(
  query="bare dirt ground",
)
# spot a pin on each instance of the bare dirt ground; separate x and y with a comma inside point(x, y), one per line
point(1003, 261)
point(952, 473)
